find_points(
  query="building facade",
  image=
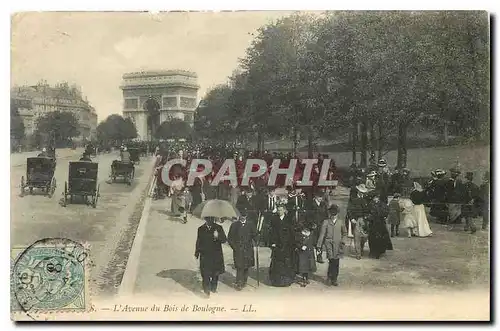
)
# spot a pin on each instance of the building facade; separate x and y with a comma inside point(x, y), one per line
point(153, 97)
point(38, 100)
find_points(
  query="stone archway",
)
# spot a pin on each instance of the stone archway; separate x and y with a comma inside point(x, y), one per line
point(152, 108)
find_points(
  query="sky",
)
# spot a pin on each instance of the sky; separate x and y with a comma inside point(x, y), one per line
point(94, 50)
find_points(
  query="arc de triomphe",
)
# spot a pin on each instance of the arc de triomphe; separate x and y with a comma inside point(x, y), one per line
point(152, 97)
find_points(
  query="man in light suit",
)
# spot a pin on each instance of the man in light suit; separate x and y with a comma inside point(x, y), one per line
point(332, 238)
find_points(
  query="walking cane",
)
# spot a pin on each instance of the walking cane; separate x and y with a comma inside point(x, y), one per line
point(259, 227)
point(297, 208)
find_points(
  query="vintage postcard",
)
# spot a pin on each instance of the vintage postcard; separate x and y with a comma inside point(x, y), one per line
point(250, 166)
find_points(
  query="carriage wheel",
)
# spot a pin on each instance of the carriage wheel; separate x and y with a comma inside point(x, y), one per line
point(22, 186)
point(95, 197)
point(65, 194)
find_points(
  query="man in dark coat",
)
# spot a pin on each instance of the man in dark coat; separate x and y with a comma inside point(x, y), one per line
point(197, 192)
point(471, 194)
point(357, 212)
point(209, 242)
point(483, 201)
point(455, 196)
point(241, 239)
point(317, 212)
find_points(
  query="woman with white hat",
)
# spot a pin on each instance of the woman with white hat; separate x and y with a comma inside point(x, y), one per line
point(418, 197)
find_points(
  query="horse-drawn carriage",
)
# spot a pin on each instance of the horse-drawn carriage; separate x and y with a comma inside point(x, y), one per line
point(39, 174)
point(135, 154)
point(82, 181)
point(125, 170)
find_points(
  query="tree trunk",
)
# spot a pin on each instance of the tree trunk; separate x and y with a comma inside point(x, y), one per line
point(259, 141)
point(364, 144)
point(446, 138)
point(402, 156)
point(373, 138)
point(380, 144)
point(262, 143)
point(354, 142)
point(310, 143)
point(295, 138)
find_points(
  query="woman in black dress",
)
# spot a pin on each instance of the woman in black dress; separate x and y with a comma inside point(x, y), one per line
point(282, 268)
point(379, 239)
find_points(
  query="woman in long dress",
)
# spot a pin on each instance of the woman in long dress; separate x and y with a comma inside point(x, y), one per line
point(418, 198)
point(178, 203)
point(379, 239)
point(282, 268)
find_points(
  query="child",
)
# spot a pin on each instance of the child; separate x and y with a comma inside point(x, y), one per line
point(306, 263)
point(394, 218)
point(407, 216)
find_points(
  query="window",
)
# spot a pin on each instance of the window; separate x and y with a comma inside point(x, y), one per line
point(169, 102)
point(188, 102)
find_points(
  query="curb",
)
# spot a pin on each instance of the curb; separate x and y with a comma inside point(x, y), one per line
point(130, 274)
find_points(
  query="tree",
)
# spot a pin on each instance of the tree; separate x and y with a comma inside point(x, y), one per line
point(57, 128)
point(213, 119)
point(16, 126)
point(174, 128)
point(115, 129)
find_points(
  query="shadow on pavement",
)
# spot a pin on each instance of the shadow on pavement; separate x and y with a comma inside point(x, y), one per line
point(227, 279)
point(187, 278)
point(263, 274)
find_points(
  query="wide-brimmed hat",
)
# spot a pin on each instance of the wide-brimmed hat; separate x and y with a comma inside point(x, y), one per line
point(440, 172)
point(455, 170)
point(361, 188)
point(417, 187)
point(405, 170)
point(371, 174)
point(382, 163)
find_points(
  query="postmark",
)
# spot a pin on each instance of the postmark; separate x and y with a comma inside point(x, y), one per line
point(50, 275)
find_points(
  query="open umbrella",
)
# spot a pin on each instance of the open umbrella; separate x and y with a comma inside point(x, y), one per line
point(216, 208)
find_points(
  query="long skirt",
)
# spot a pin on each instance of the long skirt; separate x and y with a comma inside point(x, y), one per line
point(422, 229)
point(454, 212)
point(178, 203)
point(379, 239)
point(281, 270)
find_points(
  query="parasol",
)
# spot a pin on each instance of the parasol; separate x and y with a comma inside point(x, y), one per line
point(216, 208)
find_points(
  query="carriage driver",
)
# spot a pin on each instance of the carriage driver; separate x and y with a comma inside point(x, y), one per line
point(125, 155)
point(43, 153)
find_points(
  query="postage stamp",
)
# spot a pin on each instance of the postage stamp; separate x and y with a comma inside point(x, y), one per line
point(49, 275)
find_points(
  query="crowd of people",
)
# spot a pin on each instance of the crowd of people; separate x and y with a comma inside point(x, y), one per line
point(302, 225)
